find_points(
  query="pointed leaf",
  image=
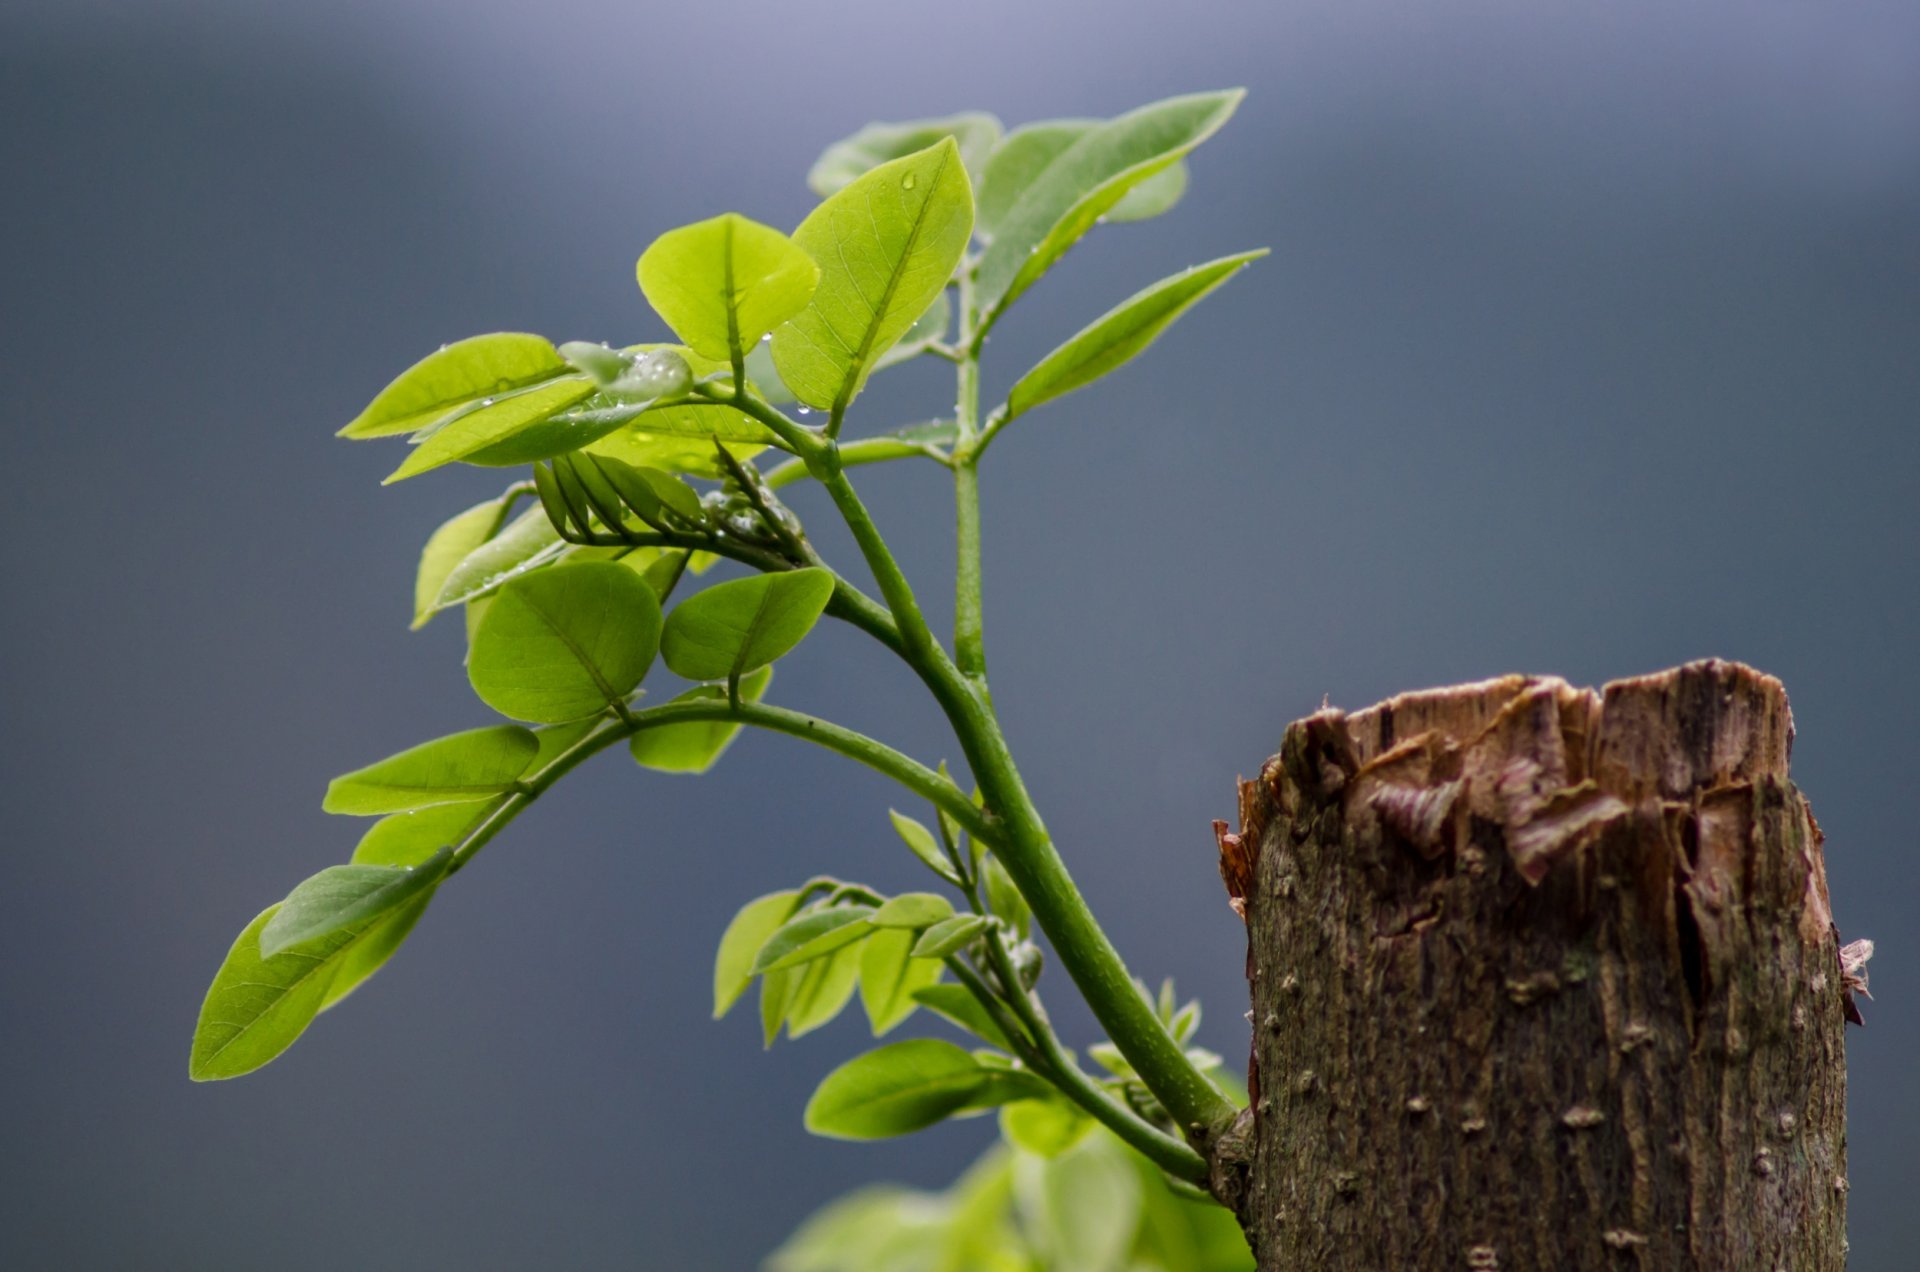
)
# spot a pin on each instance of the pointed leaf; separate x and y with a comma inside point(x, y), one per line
point(1004, 897)
point(370, 953)
point(347, 896)
point(1024, 154)
point(755, 921)
point(528, 542)
point(493, 420)
point(446, 548)
point(776, 991)
point(1084, 182)
point(887, 245)
point(845, 161)
point(412, 838)
point(920, 839)
point(825, 988)
point(456, 374)
point(1116, 336)
point(957, 1004)
point(1082, 1206)
point(902, 1087)
point(721, 284)
point(734, 628)
point(949, 936)
point(813, 935)
point(1045, 1127)
point(566, 642)
point(696, 747)
point(460, 768)
point(912, 911)
point(888, 976)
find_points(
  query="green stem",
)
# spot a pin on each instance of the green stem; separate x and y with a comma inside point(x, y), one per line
point(969, 645)
point(866, 450)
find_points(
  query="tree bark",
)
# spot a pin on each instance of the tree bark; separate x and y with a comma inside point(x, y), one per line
point(1541, 978)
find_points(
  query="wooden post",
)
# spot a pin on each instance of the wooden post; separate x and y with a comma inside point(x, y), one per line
point(1542, 978)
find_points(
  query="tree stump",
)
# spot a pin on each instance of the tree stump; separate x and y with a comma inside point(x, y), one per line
point(1542, 978)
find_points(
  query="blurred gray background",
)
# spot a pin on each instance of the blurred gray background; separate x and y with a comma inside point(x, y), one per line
point(1589, 345)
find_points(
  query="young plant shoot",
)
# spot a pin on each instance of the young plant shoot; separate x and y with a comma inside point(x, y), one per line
point(638, 467)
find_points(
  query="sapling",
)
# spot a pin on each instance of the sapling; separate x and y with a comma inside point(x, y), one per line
point(642, 466)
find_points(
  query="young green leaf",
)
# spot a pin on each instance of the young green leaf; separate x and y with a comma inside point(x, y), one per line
point(813, 935)
point(447, 547)
point(1082, 1206)
point(459, 373)
point(887, 244)
point(1116, 336)
point(921, 841)
point(901, 1087)
point(340, 897)
point(493, 420)
point(888, 976)
point(845, 161)
point(460, 768)
point(957, 1004)
point(565, 642)
point(776, 991)
point(913, 911)
point(695, 747)
point(412, 838)
point(1025, 153)
point(825, 988)
point(949, 936)
point(1084, 182)
point(1004, 898)
point(378, 944)
point(528, 542)
point(723, 283)
point(597, 362)
point(1046, 1127)
point(757, 920)
point(734, 628)
point(257, 1006)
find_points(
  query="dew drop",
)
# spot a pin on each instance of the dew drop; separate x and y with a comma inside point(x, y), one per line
point(909, 181)
point(486, 401)
point(806, 410)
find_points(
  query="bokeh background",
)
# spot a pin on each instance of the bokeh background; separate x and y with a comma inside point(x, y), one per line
point(1590, 344)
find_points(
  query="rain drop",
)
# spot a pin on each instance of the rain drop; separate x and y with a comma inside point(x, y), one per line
point(486, 401)
point(907, 182)
point(805, 410)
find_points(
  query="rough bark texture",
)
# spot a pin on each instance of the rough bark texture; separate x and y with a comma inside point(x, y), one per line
point(1542, 978)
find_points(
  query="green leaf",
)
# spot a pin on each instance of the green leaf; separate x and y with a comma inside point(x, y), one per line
point(721, 284)
point(1082, 1207)
point(776, 991)
point(1047, 1127)
point(1024, 154)
point(887, 244)
point(734, 628)
point(927, 328)
point(824, 989)
point(345, 896)
point(456, 539)
point(1123, 331)
point(899, 1088)
point(813, 935)
point(444, 381)
point(1004, 898)
point(257, 1006)
point(920, 839)
point(697, 746)
point(949, 935)
point(765, 377)
point(1084, 182)
point(460, 768)
point(565, 642)
point(599, 363)
point(379, 943)
point(912, 911)
point(528, 542)
point(843, 162)
point(412, 838)
point(493, 420)
point(957, 1004)
point(888, 976)
point(755, 921)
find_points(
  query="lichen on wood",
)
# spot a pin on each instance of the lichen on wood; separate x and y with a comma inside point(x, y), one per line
point(1542, 977)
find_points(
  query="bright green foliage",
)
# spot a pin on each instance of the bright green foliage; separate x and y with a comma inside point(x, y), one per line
point(724, 283)
point(565, 643)
point(889, 975)
point(887, 244)
point(465, 371)
point(342, 897)
point(645, 468)
point(1085, 181)
point(697, 746)
point(844, 161)
point(813, 935)
point(460, 768)
point(902, 1087)
point(757, 920)
point(1118, 335)
point(734, 628)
